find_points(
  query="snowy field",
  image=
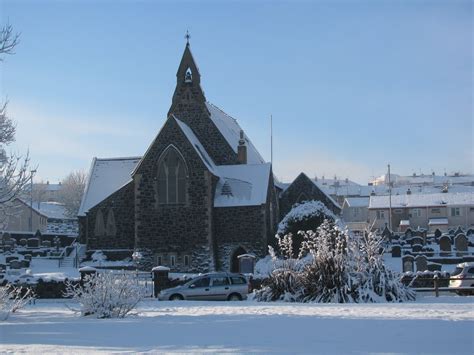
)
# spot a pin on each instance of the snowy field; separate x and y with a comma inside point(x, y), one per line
point(430, 325)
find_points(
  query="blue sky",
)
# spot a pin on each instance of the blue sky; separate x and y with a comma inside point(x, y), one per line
point(352, 85)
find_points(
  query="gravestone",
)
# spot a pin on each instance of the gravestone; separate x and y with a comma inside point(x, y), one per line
point(23, 242)
point(461, 243)
point(10, 258)
point(25, 263)
point(434, 267)
point(416, 248)
point(407, 263)
point(15, 264)
point(437, 233)
point(33, 243)
point(417, 240)
point(445, 245)
point(470, 231)
point(458, 231)
point(247, 263)
point(46, 244)
point(27, 257)
point(408, 233)
point(421, 263)
point(387, 235)
point(451, 232)
point(396, 251)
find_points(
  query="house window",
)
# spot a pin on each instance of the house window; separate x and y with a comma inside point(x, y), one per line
point(415, 212)
point(455, 211)
point(187, 259)
point(436, 210)
point(172, 178)
point(99, 228)
point(355, 212)
point(159, 260)
point(380, 214)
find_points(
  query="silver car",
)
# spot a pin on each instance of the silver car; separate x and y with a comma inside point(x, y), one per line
point(213, 286)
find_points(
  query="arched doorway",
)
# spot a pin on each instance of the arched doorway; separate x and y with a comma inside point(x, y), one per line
point(234, 261)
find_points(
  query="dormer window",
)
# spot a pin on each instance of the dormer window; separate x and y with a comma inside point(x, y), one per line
point(188, 77)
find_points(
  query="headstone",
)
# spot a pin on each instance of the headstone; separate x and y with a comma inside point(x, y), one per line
point(86, 271)
point(27, 257)
point(25, 263)
point(33, 243)
point(416, 248)
point(421, 263)
point(15, 264)
point(6, 237)
point(387, 234)
point(451, 232)
point(10, 258)
point(46, 244)
point(470, 231)
point(417, 240)
point(396, 251)
point(437, 233)
point(408, 233)
point(445, 245)
point(461, 243)
point(23, 242)
point(407, 263)
point(458, 231)
point(3, 267)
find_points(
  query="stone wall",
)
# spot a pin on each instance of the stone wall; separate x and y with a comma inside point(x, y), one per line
point(175, 230)
point(121, 202)
point(239, 227)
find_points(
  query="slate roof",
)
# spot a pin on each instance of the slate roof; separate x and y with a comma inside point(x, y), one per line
point(423, 200)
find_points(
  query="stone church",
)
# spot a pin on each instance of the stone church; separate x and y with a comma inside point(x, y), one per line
point(199, 197)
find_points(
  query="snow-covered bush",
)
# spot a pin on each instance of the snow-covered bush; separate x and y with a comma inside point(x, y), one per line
point(98, 256)
point(106, 294)
point(332, 266)
point(13, 298)
point(304, 216)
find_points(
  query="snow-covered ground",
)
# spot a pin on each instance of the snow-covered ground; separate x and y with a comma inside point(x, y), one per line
point(430, 325)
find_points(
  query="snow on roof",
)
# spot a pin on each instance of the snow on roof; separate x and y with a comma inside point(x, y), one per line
point(423, 200)
point(437, 221)
point(51, 209)
point(405, 222)
point(242, 185)
point(230, 129)
point(198, 147)
point(105, 177)
point(357, 201)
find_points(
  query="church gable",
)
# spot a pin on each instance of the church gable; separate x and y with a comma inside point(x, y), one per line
point(304, 189)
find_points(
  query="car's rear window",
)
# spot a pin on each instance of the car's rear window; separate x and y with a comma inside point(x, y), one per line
point(236, 280)
point(457, 271)
point(471, 270)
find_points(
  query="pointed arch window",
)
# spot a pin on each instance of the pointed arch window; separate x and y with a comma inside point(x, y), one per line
point(110, 227)
point(188, 76)
point(172, 178)
point(99, 228)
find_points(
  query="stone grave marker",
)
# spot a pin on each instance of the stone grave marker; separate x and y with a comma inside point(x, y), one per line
point(421, 263)
point(461, 243)
point(407, 263)
point(396, 251)
point(445, 245)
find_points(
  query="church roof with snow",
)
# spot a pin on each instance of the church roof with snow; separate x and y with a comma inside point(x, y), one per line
point(105, 177)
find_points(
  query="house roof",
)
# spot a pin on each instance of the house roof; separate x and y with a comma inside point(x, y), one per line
point(242, 185)
point(230, 130)
point(356, 201)
point(423, 200)
point(105, 177)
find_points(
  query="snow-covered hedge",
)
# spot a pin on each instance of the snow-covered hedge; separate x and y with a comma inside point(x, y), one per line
point(106, 294)
point(305, 212)
point(13, 298)
point(338, 268)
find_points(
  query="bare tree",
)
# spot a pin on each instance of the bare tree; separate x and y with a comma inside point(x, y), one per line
point(14, 169)
point(71, 191)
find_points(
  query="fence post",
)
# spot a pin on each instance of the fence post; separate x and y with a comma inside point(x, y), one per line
point(435, 280)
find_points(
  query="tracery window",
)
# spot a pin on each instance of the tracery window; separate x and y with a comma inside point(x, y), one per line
point(172, 178)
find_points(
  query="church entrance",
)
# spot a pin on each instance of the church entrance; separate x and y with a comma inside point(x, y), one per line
point(234, 261)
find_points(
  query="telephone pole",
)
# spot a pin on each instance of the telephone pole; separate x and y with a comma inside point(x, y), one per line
point(389, 200)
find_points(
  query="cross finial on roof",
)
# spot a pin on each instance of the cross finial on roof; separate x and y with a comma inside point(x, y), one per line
point(187, 36)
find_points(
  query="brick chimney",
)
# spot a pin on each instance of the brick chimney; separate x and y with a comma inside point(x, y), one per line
point(242, 150)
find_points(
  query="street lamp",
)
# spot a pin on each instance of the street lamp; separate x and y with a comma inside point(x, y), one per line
point(33, 172)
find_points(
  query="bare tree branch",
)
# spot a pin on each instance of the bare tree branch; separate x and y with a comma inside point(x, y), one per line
point(8, 40)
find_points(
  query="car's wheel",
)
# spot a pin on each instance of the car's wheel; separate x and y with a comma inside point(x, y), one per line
point(234, 297)
point(176, 297)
